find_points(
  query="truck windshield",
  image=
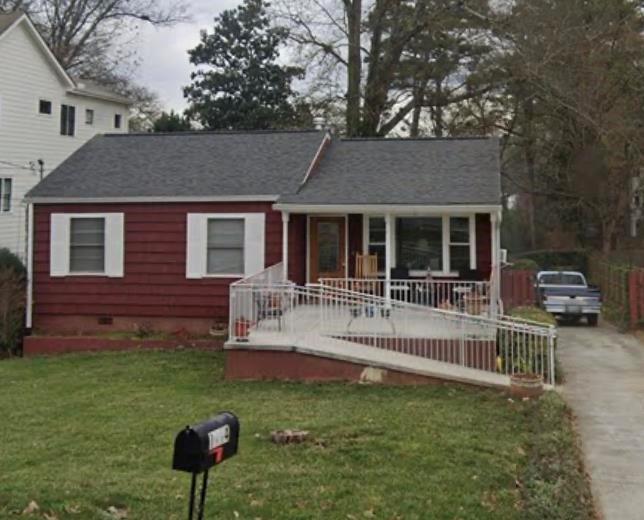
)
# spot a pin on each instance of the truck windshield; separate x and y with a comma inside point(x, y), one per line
point(562, 279)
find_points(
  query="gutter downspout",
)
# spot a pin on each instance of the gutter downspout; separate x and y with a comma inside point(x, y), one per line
point(30, 268)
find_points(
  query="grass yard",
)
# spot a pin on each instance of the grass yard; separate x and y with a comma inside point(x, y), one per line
point(82, 433)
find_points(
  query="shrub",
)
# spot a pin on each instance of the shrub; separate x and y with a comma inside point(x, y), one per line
point(572, 260)
point(12, 309)
point(10, 261)
point(524, 264)
point(533, 314)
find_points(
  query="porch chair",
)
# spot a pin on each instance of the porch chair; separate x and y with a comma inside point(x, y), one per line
point(269, 307)
point(367, 273)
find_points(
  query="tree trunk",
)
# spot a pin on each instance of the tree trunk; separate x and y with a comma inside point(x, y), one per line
point(354, 69)
point(530, 160)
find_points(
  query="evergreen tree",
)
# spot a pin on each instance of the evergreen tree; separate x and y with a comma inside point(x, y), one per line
point(238, 83)
point(171, 122)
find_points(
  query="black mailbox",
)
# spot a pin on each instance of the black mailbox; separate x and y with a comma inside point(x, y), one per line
point(200, 447)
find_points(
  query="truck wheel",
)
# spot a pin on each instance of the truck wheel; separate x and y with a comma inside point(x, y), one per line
point(592, 319)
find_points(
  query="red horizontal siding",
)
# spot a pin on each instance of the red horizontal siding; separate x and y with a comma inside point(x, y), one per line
point(155, 284)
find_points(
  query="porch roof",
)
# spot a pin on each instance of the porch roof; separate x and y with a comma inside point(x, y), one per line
point(439, 172)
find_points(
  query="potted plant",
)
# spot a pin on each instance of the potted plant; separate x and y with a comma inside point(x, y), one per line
point(219, 330)
point(526, 384)
point(242, 328)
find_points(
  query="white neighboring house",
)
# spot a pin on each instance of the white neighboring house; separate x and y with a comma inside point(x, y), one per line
point(45, 116)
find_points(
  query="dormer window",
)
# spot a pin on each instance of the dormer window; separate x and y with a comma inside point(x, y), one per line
point(44, 107)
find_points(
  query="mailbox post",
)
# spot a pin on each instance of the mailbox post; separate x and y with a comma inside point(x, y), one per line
point(200, 447)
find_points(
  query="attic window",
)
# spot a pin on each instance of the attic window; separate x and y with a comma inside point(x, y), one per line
point(44, 107)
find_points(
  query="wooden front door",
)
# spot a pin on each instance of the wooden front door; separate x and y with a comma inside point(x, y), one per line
point(327, 247)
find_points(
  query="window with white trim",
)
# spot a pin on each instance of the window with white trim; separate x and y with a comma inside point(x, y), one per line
point(224, 244)
point(67, 120)
point(419, 243)
point(89, 116)
point(6, 186)
point(445, 244)
point(87, 244)
point(44, 106)
point(376, 243)
point(459, 244)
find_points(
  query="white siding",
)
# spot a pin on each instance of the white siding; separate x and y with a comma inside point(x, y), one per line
point(26, 76)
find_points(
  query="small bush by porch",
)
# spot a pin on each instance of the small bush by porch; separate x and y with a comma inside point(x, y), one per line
point(104, 426)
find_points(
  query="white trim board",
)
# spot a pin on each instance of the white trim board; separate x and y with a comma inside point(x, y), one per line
point(381, 209)
point(155, 199)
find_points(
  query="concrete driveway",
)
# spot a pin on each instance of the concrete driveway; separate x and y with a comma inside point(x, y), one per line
point(604, 385)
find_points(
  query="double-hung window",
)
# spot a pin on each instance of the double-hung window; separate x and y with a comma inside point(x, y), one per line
point(459, 244)
point(67, 120)
point(6, 186)
point(87, 244)
point(376, 244)
point(224, 245)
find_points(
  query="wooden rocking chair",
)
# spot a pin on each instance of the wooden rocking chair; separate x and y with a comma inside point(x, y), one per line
point(366, 273)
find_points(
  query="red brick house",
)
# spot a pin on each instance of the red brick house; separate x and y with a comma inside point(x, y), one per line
point(153, 228)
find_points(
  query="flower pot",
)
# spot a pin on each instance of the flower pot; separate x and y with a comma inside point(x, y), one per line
point(526, 385)
point(242, 327)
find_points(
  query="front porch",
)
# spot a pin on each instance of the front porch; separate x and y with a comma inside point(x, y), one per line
point(446, 258)
point(268, 313)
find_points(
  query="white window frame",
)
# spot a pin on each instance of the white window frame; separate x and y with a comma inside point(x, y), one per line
point(446, 272)
point(51, 107)
point(89, 111)
point(13, 187)
point(366, 236)
point(197, 244)
point(60, 244)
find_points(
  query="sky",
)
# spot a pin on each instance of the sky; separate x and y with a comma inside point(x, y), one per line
point(163, 51)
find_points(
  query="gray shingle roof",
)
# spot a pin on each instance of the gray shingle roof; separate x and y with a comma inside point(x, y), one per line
point(6, 20)
point(405, 171)
point(189, 164)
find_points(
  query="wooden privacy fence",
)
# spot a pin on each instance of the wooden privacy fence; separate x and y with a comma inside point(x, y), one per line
point(517, 288)
point(622, 289)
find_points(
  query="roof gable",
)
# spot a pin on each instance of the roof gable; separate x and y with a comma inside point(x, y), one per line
point(10, 21)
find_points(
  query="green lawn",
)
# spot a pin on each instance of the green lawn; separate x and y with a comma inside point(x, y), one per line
point(81, 433)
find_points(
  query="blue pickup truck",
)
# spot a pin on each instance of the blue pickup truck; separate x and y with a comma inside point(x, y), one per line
point(567, 295)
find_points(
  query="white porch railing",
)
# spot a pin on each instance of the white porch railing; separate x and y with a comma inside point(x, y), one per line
point(459, 295)
point(282, 311)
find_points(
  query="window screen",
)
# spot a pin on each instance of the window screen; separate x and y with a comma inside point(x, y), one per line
point(225, 246)
point(87, 245)
point(459, 244)
point(5, 195)
point(419, 243)
point(44, 106)
point(67, 120)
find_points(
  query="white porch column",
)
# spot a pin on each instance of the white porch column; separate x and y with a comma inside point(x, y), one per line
point(285, 219)
point(389, 252)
